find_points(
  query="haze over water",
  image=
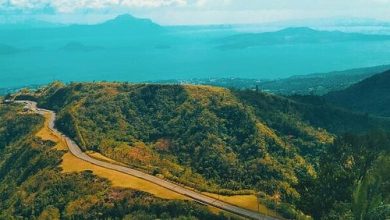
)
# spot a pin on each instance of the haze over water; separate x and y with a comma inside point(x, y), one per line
point(131, 49)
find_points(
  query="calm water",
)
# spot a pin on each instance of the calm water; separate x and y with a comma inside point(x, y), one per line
point(185, 60)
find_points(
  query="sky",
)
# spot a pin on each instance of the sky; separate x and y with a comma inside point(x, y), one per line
point(184, 12)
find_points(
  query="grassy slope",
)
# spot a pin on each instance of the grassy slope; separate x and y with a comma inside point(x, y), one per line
point(70, 163)
point(194, 134)
point(206, 137)
point(32, 185)
point(182, 133)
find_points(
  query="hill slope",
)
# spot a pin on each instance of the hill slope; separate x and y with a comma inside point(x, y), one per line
point(32, 185)
point(208, 138)
point(369, 96)
point(316, 83)
point(204, 137)
point(228, 142)
point(321, 83)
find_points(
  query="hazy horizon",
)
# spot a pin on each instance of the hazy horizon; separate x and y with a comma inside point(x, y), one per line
point(193, 12)
point(133, 49)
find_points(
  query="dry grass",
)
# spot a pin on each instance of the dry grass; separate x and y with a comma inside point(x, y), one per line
point(228, 214)
point(268, 132)
point(46, 134)
point(203, 94)
point(71, 163)
point(100, 156)
point(245, 201)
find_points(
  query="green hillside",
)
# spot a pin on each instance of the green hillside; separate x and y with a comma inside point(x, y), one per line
point(321, 83)
point(202, 136)
point(310, 84)
point(210, 138)
point(370, 96)
point(33, 187)
point(352, 179)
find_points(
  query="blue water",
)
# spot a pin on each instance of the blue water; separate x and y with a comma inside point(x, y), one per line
point(176, 58)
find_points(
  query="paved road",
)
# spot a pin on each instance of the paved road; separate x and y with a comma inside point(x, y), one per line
point(76, 151)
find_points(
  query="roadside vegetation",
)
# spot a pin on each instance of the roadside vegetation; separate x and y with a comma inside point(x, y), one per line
point(32, 185)
point(299, 156)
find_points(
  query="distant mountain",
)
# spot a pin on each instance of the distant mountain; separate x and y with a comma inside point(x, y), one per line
point(131, 22)
point(121, 28)
point(320, 83)
point(122, 24)
point(369, 96)
point(295, 35)
point(311, 84)
point(139, 50)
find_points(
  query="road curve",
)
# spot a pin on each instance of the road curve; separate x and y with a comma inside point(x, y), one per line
point(76, 151)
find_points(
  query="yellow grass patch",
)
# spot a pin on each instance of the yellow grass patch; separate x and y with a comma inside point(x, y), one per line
point(204, 93)
point(245, 201)
point(71, 163)
point(101, 157)
point(46, 134)
point(321, 134)
point(111, 91)
point(228, 214)
point(268, 132)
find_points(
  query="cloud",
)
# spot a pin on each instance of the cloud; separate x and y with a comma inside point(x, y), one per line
point(152, 3)
point(196, 11)
point(69, 6)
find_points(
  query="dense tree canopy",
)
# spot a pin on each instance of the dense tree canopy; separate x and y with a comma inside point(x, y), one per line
point(291, 152)
point(32, 185)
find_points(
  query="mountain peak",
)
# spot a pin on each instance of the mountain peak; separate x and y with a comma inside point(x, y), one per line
point(130, 19)
point(298, 30)
point(124, 17)
point(127, 20)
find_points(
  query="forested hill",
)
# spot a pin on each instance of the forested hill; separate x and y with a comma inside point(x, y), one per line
point(369, 96)
point(33, 186)
point(210, 138)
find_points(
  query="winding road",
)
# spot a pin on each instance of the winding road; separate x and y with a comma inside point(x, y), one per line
point(76, 151)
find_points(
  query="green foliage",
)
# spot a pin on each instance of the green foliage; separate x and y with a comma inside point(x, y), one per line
point(371, 198)
point(14, 127)
point(203, 136)
point(352, 177)
point(227, 141)
point(32, 185)
point(369, 96)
